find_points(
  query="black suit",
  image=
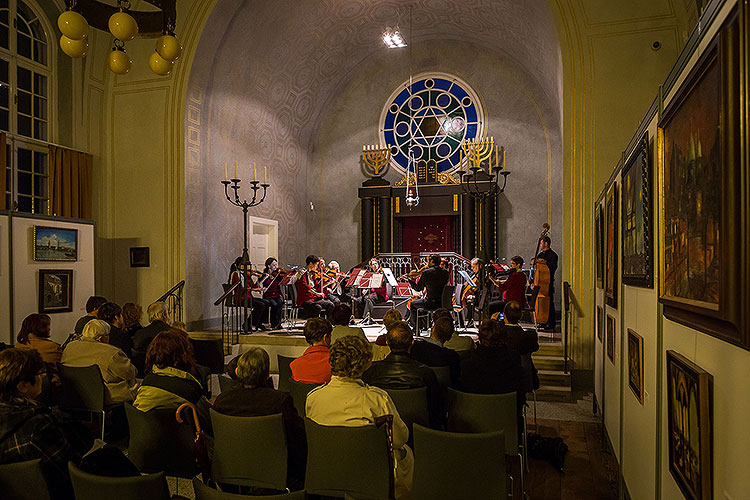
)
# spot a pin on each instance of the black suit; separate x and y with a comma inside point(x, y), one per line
point(492, 370)
point(525, 342)
point(144, 336)
point(434, 280)
point(434, 355)
point(400, 371)
point(120, 338)
point(259, 401)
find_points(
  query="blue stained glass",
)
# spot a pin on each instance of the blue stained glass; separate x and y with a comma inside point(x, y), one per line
point(471, 114)
point(442, 84)
point(390, 118)
point(458, 92)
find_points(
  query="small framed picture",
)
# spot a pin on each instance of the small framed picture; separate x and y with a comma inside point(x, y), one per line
point(635, 364)
point(611, 338)
point(55, 291)
point(599, 322)
point(55, 244)
point(139, 257)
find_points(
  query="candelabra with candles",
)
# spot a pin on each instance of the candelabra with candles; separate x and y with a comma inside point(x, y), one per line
point(255, 186)
point(477, 181)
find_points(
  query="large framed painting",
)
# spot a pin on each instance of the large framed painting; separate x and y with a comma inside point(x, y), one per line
point(635, 364)
point(611, 338)
point(610, 255)
point(599, 322)
point(599, 242)
point(55, 291)
point(55, 243)
point(637, 267)
point(690, 426)
point(704, 203)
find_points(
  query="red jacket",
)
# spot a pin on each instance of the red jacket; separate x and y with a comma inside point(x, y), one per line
point(382, 291)
point(514, 288)
point(312, 367)
point(305, 287)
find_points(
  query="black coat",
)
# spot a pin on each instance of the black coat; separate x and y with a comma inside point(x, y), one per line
point(120, 338)
point(491, 370)
point(525, 342)
point(144, 336)
point(434, 355)
point(434, 280)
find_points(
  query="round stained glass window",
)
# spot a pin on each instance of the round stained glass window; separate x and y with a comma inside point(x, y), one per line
point(432, 118)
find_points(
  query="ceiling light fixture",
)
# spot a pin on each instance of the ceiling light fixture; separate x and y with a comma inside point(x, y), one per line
point(393, 38)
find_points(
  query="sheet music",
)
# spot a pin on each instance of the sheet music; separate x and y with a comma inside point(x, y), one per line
point(468, 279)
point(390, 277)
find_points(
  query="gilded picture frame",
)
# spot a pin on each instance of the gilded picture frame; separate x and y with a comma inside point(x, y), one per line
point(55, 291)
point(52, 244)
point(600, 323)
point(637, 240)
point(599, 244)
point(611, 334)
point(610, 255)
point(635, 364)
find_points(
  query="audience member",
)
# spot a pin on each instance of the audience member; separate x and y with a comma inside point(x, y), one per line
point(112, 314)
point(347, 401)
point(456, 342)
point(523, 341)
point(254, 398)
point(312, 367)
point(158, 317)
point(340, 317)
point(400, 371)
point(92, 308)
point(92, 348)
point(430, 351)
point(34, 334)
point(391, 317)
point(131, 318)
point(29, 430)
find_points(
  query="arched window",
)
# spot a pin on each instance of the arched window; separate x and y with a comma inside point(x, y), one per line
point(25, 84)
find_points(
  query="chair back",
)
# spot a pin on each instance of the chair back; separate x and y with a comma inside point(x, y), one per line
point(446, 301)
point(159, 443)
point(227, 383)
point(82, 388)
point(23, 481)
point(139, 361)
point(484, 413)
point(362, 465)
point(249, 451)
point(443, 374)
point(474, 468)
point(209, 353)
point(285, 371)
point(463, 354)
point(412, 406)
point(205, 492)
point(91, 487)
point(299, 392)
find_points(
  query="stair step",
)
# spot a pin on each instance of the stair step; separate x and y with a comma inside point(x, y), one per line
point(554, 378)
point(550, 349)
point(556, 394)
point(543, 362)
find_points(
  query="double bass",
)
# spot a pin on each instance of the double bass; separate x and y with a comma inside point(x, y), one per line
point(540, 290)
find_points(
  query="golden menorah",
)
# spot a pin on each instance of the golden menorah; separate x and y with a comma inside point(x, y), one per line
point(376, 157)
point(478, 150)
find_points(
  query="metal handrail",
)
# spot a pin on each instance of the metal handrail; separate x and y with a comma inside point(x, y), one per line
point(231, 289)
point(171, 291)
point(173, 299)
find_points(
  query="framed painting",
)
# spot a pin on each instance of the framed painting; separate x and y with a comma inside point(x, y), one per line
point(704, 203)
point(637, 267)
point(140, 257)
point(635, 364)
point(610, 255)
point(55, 244)
point(599, 243)
point(55, 291)
point(599, 322)
point(611, 338)
point(690, 426)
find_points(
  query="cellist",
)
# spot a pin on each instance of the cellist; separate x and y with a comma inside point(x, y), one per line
point(550, 257)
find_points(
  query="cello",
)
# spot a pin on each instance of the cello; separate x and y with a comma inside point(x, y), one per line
point(540, 297)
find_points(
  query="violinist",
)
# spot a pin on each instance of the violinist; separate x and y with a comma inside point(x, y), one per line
point(469, 294)
point(433, 279)
point(271, 291)
point(328, 283)
point(243, 292)
point(309, 297)
point(550, 257)
point(513, 288)
point(337, 290)
point(366, 304)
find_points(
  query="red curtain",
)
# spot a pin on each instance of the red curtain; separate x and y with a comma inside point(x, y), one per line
point(428, 234)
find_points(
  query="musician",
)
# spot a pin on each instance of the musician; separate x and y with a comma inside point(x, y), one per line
point(338, 291)
point(272, 292)
point(469, 295)
point(309, 297)
point(328, 283)
point(550, 257)
point(513, 288)
point(433, 279)
point(258, 305)
point(365, 304)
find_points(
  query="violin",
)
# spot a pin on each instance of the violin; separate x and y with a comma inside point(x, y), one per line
point(414, 273)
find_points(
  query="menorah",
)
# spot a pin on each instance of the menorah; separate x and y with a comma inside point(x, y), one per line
point(376, 158)
point(476, 152)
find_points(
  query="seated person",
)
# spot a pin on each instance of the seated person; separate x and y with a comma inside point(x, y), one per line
point(347, 401)
point(513, 288)
point(391, 317)
point(400, 371)
point(312, 367)
point(158, 318)
point(433, 279)
point(93, 349)
point(254, 398)
point(309, 294)
point(34, 334)
point(272, 292)
point(30, 430)
point(365, 304)
point(92, 308)
point(243, 292)
point(456, 342)
point(131, 318)
point(430, 351)
point(340, 317)
point(111, 313)
point(523, 341)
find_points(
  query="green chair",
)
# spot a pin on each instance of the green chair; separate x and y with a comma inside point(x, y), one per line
point(285, 371)
point(90, 487)
point(227, 383)
point(412, 407)
point(83, 390)
point(249, 451)
point(299, 392)
point(354, 461)
point(159, 443)
point(23, 481)
point(456, 466)
point(443, 374)
point(205, 492)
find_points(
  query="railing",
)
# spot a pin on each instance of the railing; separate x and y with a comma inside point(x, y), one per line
point(402, 263)
point(173, 299)
point(231, 317)
point(567, 303)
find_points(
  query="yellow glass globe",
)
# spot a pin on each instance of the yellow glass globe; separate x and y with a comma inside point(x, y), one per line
point(73, 25)
point(159, 65)
point(119, 62)
point(168, 47)
point(74, 48)
point(123, 26)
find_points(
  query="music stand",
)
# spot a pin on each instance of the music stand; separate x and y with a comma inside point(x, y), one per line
point(468, 279)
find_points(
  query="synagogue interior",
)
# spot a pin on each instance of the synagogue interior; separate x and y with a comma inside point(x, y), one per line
point(374, 249)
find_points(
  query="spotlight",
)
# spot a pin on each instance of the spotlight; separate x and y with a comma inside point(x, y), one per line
point(393, 39)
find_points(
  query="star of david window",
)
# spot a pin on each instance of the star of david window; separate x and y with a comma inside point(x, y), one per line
point(443, 112)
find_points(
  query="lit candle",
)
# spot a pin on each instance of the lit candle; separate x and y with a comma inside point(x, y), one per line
point(235, 169)
point(225, 170)
point(254, 178)
point(503, 159)
point(265, 173)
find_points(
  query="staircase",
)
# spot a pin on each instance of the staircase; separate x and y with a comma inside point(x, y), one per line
point(554, 383)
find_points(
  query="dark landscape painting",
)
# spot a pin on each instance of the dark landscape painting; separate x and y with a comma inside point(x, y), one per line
point(636, 218)
point(55, 291)
point(598, 242)
point(610, 277)
point(635, 364)
point(611, 338)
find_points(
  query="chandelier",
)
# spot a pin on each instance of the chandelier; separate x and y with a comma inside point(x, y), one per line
point(124, 24)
